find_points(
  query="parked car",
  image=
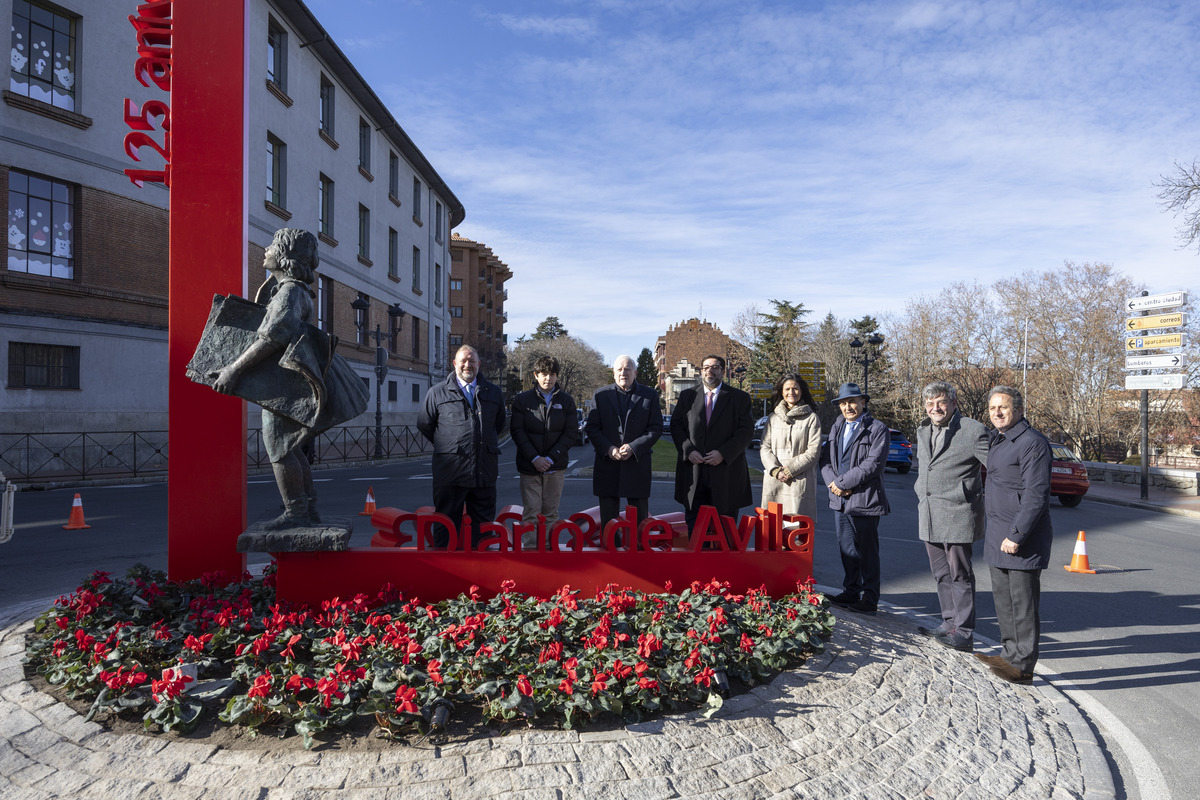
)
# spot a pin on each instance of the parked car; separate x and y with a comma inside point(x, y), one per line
point(759, 427)
point(581, 417)
point(899, 452)
point(1068, 476)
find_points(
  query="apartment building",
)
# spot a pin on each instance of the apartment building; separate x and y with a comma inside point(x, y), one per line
point(83, 295)
point(477, 296)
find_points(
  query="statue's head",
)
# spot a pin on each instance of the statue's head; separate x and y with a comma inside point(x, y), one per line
point(295, 254)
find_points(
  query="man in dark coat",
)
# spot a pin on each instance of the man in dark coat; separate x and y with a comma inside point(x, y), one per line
point(951, 449)
point(1018, 539)
point(544, 427)
point(623, 425)
point(712, 429)
point(852, 463)
point(464, 416)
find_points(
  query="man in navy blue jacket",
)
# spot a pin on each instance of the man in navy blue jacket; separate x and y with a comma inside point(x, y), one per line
point(464, 416)
point(852, 463)
point(1017, 543)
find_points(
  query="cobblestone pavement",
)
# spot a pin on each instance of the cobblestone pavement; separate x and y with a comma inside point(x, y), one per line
point(883, 713)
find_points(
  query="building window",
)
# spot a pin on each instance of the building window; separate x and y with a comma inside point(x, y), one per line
point(456, 341)
point(324, 304)
point(41, 226)
point(437, 283)
point(456, 255)
point(326, 120)
point(394, 176)
point(456, 311)
point(360, 320)
point(416, 339)
point(43, 64)
point(325, 206)
point(276, 171)
point(416, 199)
point(42, 366)
point(393, 253)
point(416, 269)
point(364, 232)
point(364, 145)
point(277, 55)
point(437, 344)
point(456, 284)
point(392, 391)
point(437, 221)
point(416, 394)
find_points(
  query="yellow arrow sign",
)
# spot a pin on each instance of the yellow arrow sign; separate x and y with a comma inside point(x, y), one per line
point(1157, 321)
point(1154, 342)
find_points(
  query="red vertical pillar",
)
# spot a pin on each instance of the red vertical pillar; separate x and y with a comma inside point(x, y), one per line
point(207, 431)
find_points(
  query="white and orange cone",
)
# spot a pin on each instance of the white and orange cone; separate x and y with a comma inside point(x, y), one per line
point(1079, 561)
point(369, 507)
point(75, 521)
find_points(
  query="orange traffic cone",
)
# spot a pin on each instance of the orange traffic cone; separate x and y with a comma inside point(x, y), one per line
point(75, 521)
point(1079, 561)
point(369, 507)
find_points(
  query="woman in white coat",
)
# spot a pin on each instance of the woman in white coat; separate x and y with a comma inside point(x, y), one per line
point(791, 448)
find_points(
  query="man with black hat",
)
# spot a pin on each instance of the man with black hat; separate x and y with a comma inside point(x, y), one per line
point(852, 463)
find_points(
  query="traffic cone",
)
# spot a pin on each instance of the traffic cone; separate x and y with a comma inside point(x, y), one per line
point(75, 521)
point(369, 508)
point(1079, 561)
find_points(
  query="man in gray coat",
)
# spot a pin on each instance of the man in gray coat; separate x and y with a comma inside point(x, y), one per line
point(950, 518)
point(1018, 539)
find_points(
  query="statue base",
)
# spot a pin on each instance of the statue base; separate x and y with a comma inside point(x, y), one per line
point(331, 535)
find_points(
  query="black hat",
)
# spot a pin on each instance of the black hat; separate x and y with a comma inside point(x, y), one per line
point(847, 391)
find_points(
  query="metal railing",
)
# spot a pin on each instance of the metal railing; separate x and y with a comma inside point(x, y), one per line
point(26, 457)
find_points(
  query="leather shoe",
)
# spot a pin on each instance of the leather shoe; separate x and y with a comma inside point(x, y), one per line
point(862, 607)
point(844, 599)
point(1011, 674)
point(933, 633)
point(956, 641)
point(992, 661)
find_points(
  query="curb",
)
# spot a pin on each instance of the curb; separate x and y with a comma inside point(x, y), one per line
point(1145, 506)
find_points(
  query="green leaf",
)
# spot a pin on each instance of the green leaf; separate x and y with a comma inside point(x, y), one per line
point(713, 705)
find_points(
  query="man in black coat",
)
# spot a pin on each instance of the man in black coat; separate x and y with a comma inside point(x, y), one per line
point(624, 423)
point(464, 416)
point(712, 429)
point(1017, 543)
point(544, 428)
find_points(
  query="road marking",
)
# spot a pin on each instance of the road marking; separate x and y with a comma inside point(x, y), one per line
point(370, 479)
point(420, 477)
point(572, 462)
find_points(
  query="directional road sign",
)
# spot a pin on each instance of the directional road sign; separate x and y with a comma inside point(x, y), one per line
point(1175, 320)
point(1154, 342)
point(1154, 381)
point(1156, 301)
point(1171, 361)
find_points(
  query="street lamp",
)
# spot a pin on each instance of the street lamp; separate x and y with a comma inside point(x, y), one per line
point(381, 356)
point(868, 356)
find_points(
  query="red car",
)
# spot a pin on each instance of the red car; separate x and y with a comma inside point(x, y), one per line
point(1068, 476)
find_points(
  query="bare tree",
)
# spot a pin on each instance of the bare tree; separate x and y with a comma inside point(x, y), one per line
point(581, 368)
point(1179, 193)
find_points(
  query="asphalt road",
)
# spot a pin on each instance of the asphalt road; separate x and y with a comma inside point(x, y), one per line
point(1127, 639)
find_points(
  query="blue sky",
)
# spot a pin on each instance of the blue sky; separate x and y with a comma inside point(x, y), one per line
point(639, 162)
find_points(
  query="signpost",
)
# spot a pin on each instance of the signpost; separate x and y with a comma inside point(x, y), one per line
point(1174, 381)
point(1158, 341)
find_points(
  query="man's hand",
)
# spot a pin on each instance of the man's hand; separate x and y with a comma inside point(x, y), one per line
point(833, 487)
point(714, 458)
point(626, 452)
point(695, 457)
point(543, 463)
point(1009, 546)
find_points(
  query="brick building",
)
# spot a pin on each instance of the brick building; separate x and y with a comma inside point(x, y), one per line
point(477, 296)
point(83, 295)
point(679, 352)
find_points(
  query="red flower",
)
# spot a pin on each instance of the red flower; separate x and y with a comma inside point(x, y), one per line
point(507, 585)
point(170, 686)
point(693, 658)
point(524, 686)
point(197, 645)
point(261, 686)
point(647, 644)
point(433, 669)
point(405, 695)
point(328, 687)
point(473, 593)
point(297, 683)
point(287, 652)
point(704, 676)
point(122, 678)
point(551, 652)
point(621, 671)
point(599, 681)
point(566, 686)
point(746, 644)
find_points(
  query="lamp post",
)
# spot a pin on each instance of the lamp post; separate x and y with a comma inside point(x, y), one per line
point(868, 356)
point(381, 356)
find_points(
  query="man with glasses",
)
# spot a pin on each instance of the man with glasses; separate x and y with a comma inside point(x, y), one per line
point(712, 428)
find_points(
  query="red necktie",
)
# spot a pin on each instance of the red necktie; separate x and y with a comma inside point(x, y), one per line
point(708, 406)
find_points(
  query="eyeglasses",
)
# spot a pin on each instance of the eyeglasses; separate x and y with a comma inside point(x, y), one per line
point(712, 368)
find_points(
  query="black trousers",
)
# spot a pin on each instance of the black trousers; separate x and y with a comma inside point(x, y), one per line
point(703, 496)
point(1018, 595)
point(858, 541)
point(479, 503)
point(610, 506)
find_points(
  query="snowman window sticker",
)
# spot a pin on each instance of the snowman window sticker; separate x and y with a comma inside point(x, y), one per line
point(42, 59)
point(41, 223)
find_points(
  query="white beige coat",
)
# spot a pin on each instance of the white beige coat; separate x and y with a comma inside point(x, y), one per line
point(792, 440)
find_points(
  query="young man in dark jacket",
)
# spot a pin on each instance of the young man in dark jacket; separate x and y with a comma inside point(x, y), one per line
point(464, 416)
point(852, 463)
point(544, 427)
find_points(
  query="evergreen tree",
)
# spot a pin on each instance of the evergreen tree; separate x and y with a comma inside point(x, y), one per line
point(782, 342)
point(549, 328)
point(647, 370)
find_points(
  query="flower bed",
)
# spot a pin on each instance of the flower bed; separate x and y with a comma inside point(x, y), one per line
point(170, 653)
